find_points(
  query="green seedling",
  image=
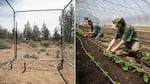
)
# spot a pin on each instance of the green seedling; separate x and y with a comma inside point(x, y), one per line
point(146, 55)
point(92, 58)
point(116, 60)
point(98, 63)
point(89, 55)
point(104, 39)
point(105, 52)
point(81, 33)
point(148, 49)
point(111, 55)
point(127, 65)
point(140, 70)
point(116, 82)
point(145, 78)
point(105, 73)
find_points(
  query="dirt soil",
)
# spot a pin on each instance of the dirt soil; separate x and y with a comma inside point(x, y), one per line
point(37, 72)
point(87, 71)
point(68, 73)
point(115, 71)
point(69, 52)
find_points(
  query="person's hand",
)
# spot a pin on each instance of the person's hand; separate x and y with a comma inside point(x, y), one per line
point(106, 52)
point(107, 49)
point(85, 35)
point(86, 32)
point(113, 50)
point(96, 39)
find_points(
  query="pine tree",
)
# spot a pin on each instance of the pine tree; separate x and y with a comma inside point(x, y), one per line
point(56, 35)
point(27, 31)
point(36, 33)
point(45, 32)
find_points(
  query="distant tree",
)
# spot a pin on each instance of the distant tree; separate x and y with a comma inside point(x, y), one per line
point(45, 32)
point(13, 33)
point(19, 36)
point(56, 35)
point(36, 33)
point(27, 31)
point(66, 22)
point(4, 33)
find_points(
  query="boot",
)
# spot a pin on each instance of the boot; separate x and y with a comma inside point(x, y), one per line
point(138, 56)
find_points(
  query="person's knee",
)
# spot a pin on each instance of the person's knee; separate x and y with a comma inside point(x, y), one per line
point(136, 47)
point(121, 53)
point(102, 35)
point(118, 53)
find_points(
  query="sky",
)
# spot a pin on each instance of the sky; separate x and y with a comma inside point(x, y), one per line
point(50, 18)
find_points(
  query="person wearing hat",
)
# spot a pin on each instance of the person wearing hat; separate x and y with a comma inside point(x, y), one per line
point(96, 30)
point(129, 43)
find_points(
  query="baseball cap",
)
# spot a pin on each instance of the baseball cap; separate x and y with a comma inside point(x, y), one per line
point(115, 20)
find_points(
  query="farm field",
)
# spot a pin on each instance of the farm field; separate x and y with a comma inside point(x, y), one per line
point(116, 72)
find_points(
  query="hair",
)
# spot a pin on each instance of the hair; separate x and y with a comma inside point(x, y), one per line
point(123, 22)
point(89, 20)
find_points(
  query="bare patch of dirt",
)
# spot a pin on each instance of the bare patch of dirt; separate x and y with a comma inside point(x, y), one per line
point(37, 72)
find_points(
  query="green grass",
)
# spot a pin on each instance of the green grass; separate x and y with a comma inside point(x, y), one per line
point(4, 44)
point(30, 56)
point(43, 50)
point(33, 44)
point(45, 43)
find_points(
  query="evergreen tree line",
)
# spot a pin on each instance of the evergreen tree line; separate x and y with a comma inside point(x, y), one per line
point(5, 34)
point(29, 33)
point(66, 23)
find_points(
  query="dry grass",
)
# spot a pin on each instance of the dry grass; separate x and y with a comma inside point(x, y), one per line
point(38, 72)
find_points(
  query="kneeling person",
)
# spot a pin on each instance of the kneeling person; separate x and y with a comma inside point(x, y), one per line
point(96, 30)
point(128, 37)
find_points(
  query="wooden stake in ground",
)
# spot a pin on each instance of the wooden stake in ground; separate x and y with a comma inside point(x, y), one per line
point(10, 65)
point(24, 68)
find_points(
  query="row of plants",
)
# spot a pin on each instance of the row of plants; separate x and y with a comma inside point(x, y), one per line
point(85, 28)
point(97, 63)
point(104, 39)
point(146, 55)
point(126, 66)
